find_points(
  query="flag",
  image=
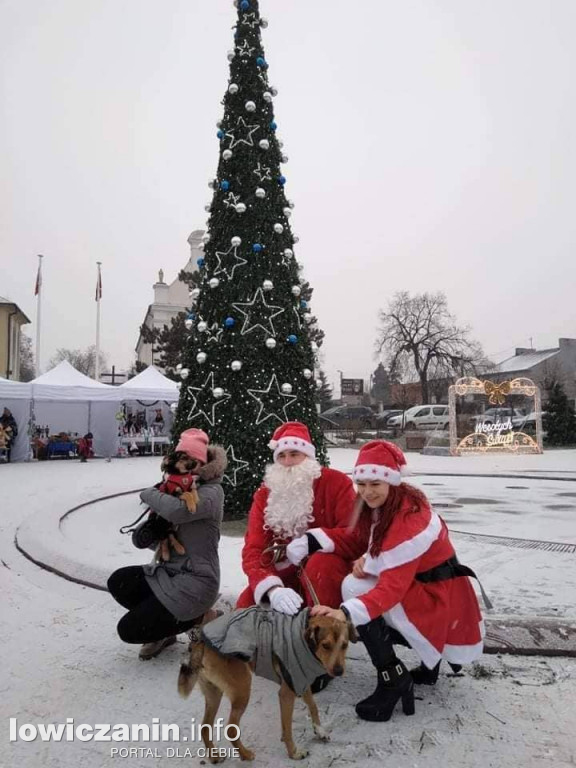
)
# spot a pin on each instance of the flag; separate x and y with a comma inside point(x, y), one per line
point(99, 285)
point(38, 281)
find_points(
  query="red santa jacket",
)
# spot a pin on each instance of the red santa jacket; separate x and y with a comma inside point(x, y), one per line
point(440, 619)
point(333, 504)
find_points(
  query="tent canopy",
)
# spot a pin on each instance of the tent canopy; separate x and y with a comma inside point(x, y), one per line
point(65, 383)
point(150, 384)
point(14, 390)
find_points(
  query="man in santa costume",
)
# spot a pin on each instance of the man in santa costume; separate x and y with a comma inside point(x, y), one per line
point(407, 585)
point(297, 494)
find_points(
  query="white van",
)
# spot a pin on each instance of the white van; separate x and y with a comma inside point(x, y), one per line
point(423, 417)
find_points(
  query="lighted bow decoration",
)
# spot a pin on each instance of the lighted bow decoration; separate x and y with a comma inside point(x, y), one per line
point(497, 392)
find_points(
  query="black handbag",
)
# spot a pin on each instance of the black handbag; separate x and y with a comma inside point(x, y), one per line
point(147, 533)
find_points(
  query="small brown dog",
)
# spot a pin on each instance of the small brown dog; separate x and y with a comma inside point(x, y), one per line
point(328, 640)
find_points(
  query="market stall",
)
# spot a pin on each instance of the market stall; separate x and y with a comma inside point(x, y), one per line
point(15, 395)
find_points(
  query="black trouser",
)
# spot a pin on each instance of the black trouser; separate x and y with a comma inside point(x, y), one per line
point(147, 619)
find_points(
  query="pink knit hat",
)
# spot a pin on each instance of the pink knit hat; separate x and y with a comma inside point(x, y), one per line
point(380, 460)
point(194, 442)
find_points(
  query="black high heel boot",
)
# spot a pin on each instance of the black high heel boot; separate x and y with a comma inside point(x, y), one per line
point(394, 681)
point(424, 676)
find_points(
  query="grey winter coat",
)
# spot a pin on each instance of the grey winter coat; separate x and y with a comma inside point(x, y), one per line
point(187, 585)
point(258, 635)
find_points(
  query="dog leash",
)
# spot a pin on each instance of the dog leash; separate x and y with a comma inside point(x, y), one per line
point(275, 554)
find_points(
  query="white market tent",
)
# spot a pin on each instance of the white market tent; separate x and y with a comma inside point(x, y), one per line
point(69, 401)
point(15, 395)
point(150, 384)
point(153, 391)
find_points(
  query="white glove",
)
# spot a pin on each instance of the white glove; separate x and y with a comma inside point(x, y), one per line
point(297, 550)
point(285, 600)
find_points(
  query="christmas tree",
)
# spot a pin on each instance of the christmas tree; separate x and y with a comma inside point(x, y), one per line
point(249, 352)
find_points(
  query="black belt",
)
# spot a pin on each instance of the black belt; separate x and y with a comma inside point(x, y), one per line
point(451, 569)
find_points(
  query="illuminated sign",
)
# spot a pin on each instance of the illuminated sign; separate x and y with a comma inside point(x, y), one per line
point(487, 416)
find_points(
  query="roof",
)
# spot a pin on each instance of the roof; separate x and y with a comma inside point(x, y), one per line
point(150, 384)
point(526, 361)
point(64, 382)
point(13, 303)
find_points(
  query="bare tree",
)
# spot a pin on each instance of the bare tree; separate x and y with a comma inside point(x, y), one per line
point(84, 360)
point(27, 365)
point(417, 333)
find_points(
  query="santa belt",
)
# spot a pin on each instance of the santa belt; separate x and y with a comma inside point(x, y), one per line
point(450, 569)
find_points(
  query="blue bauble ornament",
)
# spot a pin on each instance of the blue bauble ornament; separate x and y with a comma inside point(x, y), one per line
point(273, 126)
point(256, 247)
point(220, 135)
point(261, 62)
point(229, 322)
point(303, 304)
point(200, 262)
point(244, 5)
point(292, 339)
point(191, 316)
point(225, 185)
point(281, 180)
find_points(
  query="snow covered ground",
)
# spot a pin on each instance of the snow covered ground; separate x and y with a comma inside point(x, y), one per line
point(62, 658)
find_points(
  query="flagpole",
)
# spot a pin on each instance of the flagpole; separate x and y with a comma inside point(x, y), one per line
point(38, 313)
point(98, 297)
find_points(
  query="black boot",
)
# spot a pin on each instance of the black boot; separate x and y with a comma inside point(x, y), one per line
point(424, 676)
point(394, 681)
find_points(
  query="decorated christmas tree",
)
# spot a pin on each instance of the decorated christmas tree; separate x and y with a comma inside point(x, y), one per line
point(248, 359)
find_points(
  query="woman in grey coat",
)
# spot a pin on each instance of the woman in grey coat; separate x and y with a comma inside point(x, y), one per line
point(166, 598)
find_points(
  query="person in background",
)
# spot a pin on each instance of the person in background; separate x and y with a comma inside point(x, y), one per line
point(85, 450)
point(10, 430)
point(407, 586)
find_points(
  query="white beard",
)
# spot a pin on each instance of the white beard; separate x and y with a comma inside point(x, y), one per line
point(289, 511)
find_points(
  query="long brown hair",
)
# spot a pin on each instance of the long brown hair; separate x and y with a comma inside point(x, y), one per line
point(398, 495)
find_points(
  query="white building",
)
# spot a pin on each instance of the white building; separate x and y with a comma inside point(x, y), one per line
point(169, 300)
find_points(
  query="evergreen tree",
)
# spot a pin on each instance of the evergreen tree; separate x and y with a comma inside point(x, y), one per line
point(559, 421)
point(324, 392)
point(381, 385)
point(249, 352)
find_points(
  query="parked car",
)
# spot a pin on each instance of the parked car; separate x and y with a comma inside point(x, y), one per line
point(346, 416)
point(492, 415)
point(527, 423)
point(422, 417)
point(382, 419)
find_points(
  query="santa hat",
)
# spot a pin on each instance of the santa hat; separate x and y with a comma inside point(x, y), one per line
point(194, 442)
point(380, 460)
point(292, 436)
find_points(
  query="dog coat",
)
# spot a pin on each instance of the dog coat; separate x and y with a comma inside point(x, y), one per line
point(257, 634)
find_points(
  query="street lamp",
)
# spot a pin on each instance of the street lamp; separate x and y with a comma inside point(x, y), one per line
point(341, 376)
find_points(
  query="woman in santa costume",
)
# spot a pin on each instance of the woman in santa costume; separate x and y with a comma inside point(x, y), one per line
point(406, 587)
point(297, 493)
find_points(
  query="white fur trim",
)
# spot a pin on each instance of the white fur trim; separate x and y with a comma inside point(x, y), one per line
point(407, 551)
point(272, 444)
point(357, 610)
point(353, 587)
point(376, 472)
point(463, 654)
point(263, 586)
point(396, 617)
point(323, 539)
point(293, 444)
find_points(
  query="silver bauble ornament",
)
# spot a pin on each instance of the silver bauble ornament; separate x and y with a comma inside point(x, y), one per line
point(296, 239)
point(188, 323)
point(178, 367)
point(263, 22)
point(227, 154)
point(202, 326)
point(173, 407)
point(267, 96)
point(288, 252)
point(286, 389)
point(240, 208)
point(290, 203)
point(184, 373)
point(280, 143)
point(260, 192)
point(218, 392)
point(236, 241)
point(230, 55)
point(313, 346)
point(194, 293)
point(287, 212)
point(273, 90)
point(319, 383)
point(208, 207)
point(236, 365)
point(205, 237)
point(270, 343)
point(250, 106)
point(296, 290)
point(284, 159)
point(264, 144)
point(278, 228)
point(214, 282)
point(211, 184)
point(219, 124)
point(201, 357)
point(307, 373)
point(268, 285)
point(178, 385)
point(232, 88)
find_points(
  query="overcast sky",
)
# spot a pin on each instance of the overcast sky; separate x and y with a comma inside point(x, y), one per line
point(431, 142)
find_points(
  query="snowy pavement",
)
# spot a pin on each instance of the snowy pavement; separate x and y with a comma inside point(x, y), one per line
point(62, 658)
